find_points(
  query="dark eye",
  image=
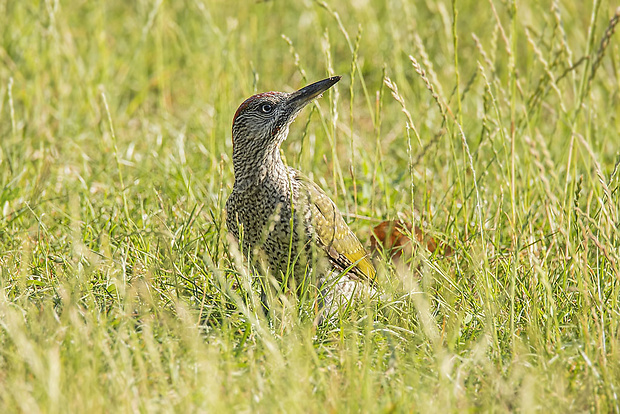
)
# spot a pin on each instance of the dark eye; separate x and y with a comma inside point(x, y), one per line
point(266, 108)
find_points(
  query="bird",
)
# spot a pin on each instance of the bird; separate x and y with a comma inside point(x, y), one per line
point(280, 219)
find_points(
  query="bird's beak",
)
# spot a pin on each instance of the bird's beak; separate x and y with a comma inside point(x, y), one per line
point(304, 96)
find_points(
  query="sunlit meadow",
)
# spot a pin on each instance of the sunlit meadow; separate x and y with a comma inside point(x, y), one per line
point(493, 126)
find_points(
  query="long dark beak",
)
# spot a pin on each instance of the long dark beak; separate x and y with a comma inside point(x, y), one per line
point(304, 96)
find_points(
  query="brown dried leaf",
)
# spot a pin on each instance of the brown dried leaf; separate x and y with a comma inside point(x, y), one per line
point(392, 236)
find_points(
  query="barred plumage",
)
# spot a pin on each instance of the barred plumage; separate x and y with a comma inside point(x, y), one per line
point(282, 219)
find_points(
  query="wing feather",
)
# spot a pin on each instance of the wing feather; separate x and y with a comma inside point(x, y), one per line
point(334, 235)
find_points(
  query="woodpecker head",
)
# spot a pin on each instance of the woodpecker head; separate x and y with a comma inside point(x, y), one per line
point(261, 123)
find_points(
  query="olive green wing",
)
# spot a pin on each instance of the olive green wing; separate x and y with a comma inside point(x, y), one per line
point(334, 235)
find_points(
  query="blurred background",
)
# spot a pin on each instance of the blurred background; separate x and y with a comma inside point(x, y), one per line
point(492, 126)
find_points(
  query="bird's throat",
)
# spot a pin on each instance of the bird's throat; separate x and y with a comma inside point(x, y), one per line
point(261, 166)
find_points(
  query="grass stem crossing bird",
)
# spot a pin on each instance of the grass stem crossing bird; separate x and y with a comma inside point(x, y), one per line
point(281, 218)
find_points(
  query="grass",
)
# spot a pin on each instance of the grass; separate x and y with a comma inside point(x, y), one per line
point(497, 132)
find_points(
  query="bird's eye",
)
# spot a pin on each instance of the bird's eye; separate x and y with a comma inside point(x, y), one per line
point(266, 108)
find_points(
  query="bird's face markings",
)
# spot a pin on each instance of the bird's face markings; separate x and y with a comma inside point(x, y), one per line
point(261, 121)
point(260, 118)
